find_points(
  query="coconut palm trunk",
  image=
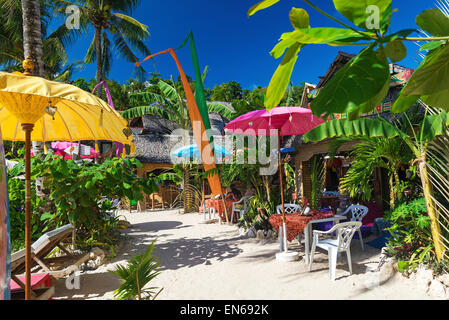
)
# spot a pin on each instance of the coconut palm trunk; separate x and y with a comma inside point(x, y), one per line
point(99, 54)
point(188, 197)
point(430, 204)
point(32, 45)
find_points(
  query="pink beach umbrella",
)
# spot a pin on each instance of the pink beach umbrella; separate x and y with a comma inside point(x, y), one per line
point(280, 121)
point(61, 149)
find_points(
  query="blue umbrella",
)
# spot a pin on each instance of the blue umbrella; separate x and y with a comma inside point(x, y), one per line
point(192, 152)
point(287, 150)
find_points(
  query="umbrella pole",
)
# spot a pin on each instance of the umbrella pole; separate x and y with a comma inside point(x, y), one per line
point(284, 221)
point(225, 209)
point(28, 128)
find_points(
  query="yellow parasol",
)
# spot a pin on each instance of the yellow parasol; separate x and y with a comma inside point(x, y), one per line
point(72, 114)
point(35, 109)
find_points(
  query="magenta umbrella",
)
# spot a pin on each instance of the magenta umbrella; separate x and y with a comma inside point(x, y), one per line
point(279, 121)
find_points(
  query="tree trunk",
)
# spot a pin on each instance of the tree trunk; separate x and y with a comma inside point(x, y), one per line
point(431, 207)
point(32, 47)
point(392, 194)
point(187, 197)
point(32, 35)
point(99, 55)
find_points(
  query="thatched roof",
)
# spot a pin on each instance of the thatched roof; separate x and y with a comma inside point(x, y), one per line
point(218, 123)
point(154, 124)
point(153, 148)
point(157, 148)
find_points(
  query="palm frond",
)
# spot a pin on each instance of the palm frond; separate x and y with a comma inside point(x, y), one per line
point(141, 270)
point(220, 109)
point(137, 112)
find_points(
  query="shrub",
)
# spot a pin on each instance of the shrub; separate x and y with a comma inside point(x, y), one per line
point(75, 191)
point(411, 239)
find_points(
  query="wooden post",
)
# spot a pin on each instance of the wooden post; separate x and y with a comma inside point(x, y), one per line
point(225, 209)
point(28, 128)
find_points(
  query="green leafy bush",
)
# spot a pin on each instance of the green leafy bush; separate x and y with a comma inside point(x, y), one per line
point(411, 238)
point(75, 191)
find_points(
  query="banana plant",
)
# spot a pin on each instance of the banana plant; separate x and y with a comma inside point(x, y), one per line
point(431, 127)
point(369, 70)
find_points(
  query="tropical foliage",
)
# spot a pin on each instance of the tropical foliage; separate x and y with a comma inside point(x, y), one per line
point(410, 237)
point(76, 191)
point(140, 270)
point(431, 127)
point(116, 33)
point(370, 68)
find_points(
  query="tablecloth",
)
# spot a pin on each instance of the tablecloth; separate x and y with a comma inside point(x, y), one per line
point(217, 204)
point(297, 223)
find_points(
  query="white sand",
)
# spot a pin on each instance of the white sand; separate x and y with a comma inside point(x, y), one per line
point(211, 261)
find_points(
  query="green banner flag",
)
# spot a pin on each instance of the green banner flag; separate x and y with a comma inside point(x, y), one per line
point(199, 86)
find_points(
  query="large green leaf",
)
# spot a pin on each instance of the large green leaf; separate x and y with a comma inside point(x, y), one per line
point(261, 5)
point(357, 10)
point(432, 75)
point(433, 21)
point(137, 112)
point(299, 18)
point(280, 48)
point(357, 128)
point(439, 99)
point(360, 81)
point(403, 103)
point(281, 78)
point(373, 102)
point(325, 35)
point(433, 126)
point(431, 45)
point(396, 50)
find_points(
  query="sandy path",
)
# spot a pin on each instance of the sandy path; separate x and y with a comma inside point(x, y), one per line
point(211, 261)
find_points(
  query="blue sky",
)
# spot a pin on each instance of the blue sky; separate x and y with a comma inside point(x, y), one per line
point(234, 46)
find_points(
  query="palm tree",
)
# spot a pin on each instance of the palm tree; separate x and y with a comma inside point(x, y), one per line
point(12, 53)
point(32, 34)
point(114, 30)
point(371, 153)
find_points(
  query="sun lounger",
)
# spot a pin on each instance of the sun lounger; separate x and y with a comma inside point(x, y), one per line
point(39, 251)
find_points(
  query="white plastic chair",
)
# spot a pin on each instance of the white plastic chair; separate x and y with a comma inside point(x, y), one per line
point(240, 212)
point(345, 232)
point(289, 208)
point(358, 213)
